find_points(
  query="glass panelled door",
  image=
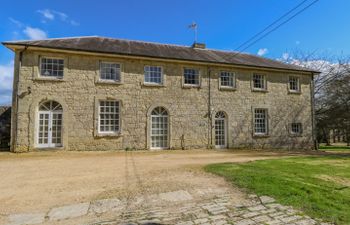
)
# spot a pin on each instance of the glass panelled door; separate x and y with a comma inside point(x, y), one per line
point(43, 132)
point(159, 128)
point(220, 130)
point(56, 129)
point(49, 125)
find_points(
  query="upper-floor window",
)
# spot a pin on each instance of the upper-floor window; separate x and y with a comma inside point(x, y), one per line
point(294, 84)
point(51, 67)
point(110, 71)
point(191, 77)
point(153, 74)
point(227, 79)
point(260, 122)
point(296, 128)
point(109, 116)
point(259, 82)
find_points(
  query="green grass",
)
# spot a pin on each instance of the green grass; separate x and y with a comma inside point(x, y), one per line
point(334, 148)
point(319, 186)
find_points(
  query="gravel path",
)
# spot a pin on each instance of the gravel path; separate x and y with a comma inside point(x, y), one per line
point(37, 187)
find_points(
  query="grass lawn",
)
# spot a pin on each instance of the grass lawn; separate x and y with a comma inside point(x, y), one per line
point(318, 185)
point(335, 148)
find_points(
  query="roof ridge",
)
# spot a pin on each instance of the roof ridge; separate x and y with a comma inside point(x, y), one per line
point(176, 45)
point(146, 42)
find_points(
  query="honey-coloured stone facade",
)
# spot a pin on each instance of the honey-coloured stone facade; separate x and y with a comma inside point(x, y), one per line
point(191, 110)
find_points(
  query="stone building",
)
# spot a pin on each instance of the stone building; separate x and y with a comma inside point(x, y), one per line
point(94, 93)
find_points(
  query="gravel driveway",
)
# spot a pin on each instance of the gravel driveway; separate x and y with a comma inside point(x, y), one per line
point(38, 181)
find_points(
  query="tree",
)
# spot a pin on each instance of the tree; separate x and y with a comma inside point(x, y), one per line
point(331, 92)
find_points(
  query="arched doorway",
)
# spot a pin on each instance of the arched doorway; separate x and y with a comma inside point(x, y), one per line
point(159, 128)
point(220, 130)
point(49, 128)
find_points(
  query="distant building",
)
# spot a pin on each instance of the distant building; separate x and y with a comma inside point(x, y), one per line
point(5, 127)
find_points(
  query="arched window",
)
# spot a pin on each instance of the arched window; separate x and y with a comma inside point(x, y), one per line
point(159, 128)
point(220, 114)
point(159, 111)
point(50, 106)
point(49, 132)
point(220, 130)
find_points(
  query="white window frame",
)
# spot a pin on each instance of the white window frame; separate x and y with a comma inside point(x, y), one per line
point(52, 58)
point(99, 117)
point(300, 132)
point(110, 80)
point(264, 88)
point(233, 77)
point(153, 83)
point(298, 90)
point(184, 77)
point(266, 122)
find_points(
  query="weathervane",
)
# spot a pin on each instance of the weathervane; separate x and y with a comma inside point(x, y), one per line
point(194, 27)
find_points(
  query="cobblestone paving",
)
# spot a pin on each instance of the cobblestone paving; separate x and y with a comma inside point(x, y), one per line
point(220, 211)
point(202, 207)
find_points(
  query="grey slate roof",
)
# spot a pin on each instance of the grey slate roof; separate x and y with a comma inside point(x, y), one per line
point(156, 50)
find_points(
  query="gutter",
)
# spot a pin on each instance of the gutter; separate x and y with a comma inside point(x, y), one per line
point(210, 125)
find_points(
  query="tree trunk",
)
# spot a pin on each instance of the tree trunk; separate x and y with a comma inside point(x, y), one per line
point(326, 137)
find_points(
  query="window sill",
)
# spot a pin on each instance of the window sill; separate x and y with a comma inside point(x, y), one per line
point(296, 135)
point(48, 148)
point(227, 88)
point(49, 79)
point(259, 90)
point(294, 92)
point(152, 85)
point(188, 86)
point(261, 135)
point(112, 82)
point(107, 135)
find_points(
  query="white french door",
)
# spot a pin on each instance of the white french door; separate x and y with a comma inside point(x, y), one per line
point(49, 129)
point(220, 130)
point(159, 128)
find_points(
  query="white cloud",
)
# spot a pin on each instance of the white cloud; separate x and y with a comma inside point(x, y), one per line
point(35, 33)
point(47, 14)
point(62, 15)
point(262, 51)
point(16, 22)
point(6, 79)
point(74, 23)
point(31, 32)
point(285, 56)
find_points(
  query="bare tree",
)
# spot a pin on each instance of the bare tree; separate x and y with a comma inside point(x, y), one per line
point(331, 91)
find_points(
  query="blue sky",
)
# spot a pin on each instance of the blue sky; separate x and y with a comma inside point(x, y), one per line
point(222, 24)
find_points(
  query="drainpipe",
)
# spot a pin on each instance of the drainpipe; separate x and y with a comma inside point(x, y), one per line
point(312, 92)
point(210, 126)
point(17, 97)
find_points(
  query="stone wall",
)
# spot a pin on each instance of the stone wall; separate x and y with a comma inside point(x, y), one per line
point(188, 107)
